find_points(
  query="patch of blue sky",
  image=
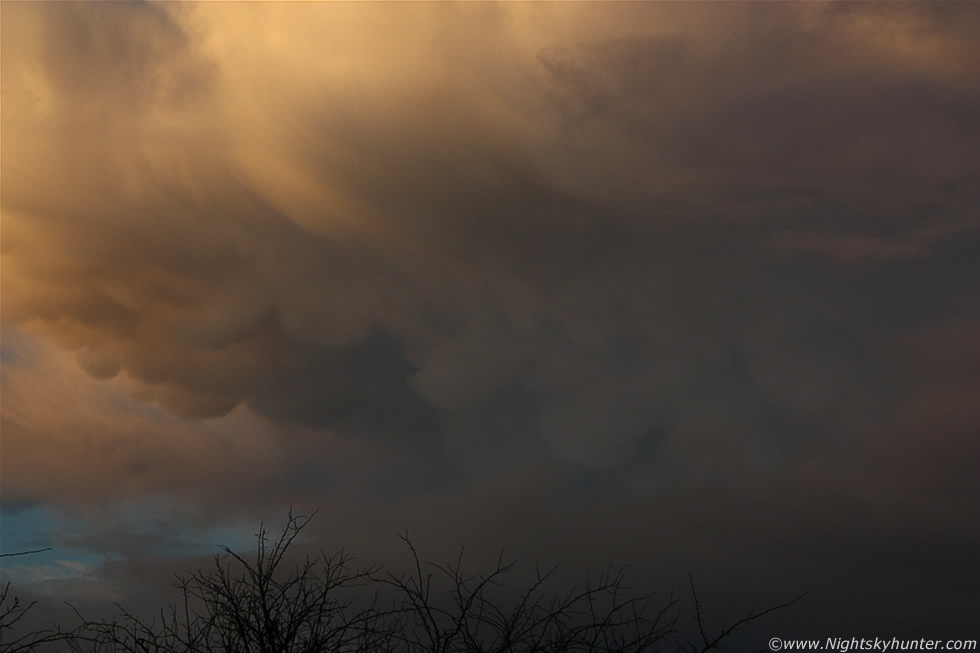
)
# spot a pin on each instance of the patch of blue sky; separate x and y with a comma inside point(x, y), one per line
point(158, 517)
point(77, 544)
point(36, 529)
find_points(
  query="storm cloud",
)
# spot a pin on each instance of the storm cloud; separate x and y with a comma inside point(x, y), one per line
point(657, 255)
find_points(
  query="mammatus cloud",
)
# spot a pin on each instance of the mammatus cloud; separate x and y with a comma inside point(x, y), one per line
point(80, 441)
point(503, 236)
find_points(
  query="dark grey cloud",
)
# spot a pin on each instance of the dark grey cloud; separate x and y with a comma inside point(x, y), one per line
point(678, 237)
point(685, 278)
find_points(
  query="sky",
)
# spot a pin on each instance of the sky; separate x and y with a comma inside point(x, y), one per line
point(690, 287)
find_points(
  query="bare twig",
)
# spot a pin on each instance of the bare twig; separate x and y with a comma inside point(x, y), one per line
point(24, 553)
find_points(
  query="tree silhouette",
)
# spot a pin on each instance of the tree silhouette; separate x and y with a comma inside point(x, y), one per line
point(12, 611)
point(252, 606)
point(324, 604)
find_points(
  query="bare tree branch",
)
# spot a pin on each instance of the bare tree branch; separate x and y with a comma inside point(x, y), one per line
point(24, 553)
point(273, 602)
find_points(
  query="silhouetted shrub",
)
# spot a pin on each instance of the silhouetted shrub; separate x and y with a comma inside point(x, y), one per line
point(325, 605)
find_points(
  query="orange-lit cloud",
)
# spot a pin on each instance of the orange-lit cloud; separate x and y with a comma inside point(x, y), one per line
point(504, 235)
point(75, 440)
